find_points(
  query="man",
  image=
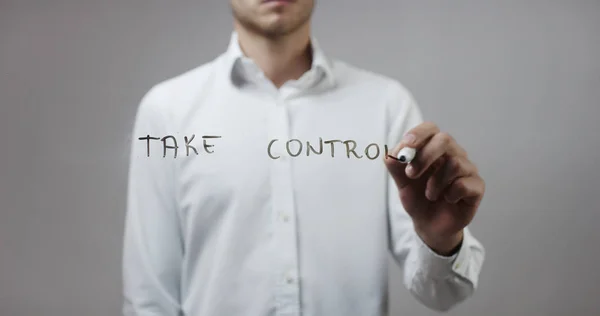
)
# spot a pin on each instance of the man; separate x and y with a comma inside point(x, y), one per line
point(254, 187)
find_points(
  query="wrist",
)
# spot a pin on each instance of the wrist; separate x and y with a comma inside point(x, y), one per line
point(443, 245)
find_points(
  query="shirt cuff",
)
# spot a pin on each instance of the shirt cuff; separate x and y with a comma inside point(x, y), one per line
point(437, 266)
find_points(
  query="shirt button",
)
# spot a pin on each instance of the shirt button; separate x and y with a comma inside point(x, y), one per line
point(285, 218)
point(289, 280)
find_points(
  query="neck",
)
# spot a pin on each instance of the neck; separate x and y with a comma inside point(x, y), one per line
point(281, 59)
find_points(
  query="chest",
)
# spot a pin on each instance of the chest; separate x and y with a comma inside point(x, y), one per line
point(242, 153)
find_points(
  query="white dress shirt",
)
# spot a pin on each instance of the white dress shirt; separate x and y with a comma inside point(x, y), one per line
point(238, 221)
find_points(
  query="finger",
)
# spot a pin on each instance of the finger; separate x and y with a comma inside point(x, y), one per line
point(468, 189)
point(439, 145)
point(397, 170)
point(414, 138)
point(453, 168)
point(419, 135)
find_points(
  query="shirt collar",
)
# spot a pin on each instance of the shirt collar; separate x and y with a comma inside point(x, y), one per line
point(234, 55)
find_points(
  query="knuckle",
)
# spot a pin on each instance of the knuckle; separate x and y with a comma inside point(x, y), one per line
point(454, 164)
point(475, 169)
point(429, 124)
point(430, 127)
point(444, 138)
point(460, 185)
point(460, 151)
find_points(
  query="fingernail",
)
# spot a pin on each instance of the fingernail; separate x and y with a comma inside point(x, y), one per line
point(410, 170)
point(408, 139)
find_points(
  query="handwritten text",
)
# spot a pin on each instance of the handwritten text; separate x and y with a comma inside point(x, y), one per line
point(293, 147)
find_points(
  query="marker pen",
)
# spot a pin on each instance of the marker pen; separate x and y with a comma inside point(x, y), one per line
point(406, 154)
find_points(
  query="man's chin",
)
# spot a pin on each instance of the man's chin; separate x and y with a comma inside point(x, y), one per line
point(276, 30)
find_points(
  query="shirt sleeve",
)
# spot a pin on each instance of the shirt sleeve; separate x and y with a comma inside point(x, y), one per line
point(153, 247)
point(438, 282)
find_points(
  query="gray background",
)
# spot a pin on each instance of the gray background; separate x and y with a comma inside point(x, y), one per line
point(517, 82)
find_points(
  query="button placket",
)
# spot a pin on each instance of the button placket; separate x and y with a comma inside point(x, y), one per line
point(285, 235)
